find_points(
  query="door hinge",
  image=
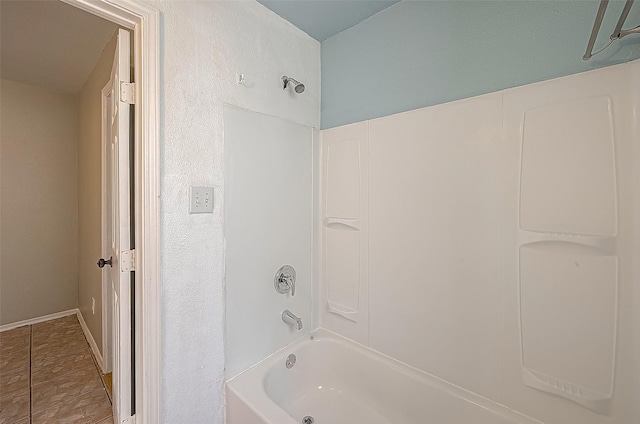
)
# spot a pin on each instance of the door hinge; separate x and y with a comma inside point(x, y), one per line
point(128, 260)
point(128, 92)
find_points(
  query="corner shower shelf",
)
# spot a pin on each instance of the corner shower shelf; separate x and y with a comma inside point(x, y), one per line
point(595, 401)
point(349, 313)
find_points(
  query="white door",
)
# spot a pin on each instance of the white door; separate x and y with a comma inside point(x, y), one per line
point(118, 214)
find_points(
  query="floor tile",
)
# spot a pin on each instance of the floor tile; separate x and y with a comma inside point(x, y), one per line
point(56, 339)
point(57, 349)
point(14, 360)
point(59, 324)
point(51, 368)
point(89, 408)
point(64, 388)
point(48, 376)
point(14, 406)
point(14, 381)
point(52, 336)
point(18, 331)
point(16, 339)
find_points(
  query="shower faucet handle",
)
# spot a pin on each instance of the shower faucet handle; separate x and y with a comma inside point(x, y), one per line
point(285, 280)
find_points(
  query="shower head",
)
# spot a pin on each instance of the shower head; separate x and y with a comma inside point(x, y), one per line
point(297, 86)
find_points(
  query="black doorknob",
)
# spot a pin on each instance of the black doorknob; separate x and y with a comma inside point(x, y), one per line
point(102, 262)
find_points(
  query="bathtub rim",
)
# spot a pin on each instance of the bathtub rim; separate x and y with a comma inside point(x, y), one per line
point(256, 394)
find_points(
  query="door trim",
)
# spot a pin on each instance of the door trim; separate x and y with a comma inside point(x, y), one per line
point(143, 20)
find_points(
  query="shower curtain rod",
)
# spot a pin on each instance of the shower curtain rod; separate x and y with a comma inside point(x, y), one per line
point(618, 32)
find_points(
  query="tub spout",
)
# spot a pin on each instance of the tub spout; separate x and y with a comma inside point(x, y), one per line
point(290, 318)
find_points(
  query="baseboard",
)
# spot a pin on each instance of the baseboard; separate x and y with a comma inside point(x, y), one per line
point(92, 342)
point(37, 320)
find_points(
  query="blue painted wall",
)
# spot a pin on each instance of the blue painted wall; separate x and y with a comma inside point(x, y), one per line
point(420, 53)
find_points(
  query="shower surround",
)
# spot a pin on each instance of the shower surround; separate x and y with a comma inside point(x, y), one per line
point(498, 240)
point(488, 242)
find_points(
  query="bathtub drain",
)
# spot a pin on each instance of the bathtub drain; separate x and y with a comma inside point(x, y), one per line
point(291, 361)
point(307, 420)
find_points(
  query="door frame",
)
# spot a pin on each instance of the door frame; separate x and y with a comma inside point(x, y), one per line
point(143, 20)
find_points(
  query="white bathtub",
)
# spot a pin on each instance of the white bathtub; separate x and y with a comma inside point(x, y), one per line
point(337, 381)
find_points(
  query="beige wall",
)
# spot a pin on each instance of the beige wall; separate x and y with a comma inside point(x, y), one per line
point(89, 192)
point(39, 202)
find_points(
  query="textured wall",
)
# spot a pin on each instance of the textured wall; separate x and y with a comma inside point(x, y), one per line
point(421, 53)
point(89, 197)
point(39, 203)
point(204, 45)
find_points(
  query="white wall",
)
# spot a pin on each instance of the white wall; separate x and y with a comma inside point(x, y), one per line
point(204, 45)
point(89, 198)
point(39, 211)
point(481, 269)
point(268, 223)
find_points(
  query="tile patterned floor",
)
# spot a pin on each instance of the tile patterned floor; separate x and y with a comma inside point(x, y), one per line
point(48, 376)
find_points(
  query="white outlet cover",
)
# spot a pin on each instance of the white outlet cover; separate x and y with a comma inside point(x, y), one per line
point(201, 200)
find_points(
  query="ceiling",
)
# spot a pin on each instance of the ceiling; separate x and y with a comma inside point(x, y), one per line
point(322, 19)
point(50, 44)
point(54, 45)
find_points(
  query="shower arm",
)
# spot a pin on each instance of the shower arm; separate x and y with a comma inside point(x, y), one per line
point(618, 32)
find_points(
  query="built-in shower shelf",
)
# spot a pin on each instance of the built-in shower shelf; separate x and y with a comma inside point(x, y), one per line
point(603, 244)
point(343, 224)
point(348, 313)
point(595, 401)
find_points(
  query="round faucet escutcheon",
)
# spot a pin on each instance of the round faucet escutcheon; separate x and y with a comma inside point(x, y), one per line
point(285, 280)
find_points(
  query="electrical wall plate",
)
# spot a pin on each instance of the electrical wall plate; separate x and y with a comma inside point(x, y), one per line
point(201, 200)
